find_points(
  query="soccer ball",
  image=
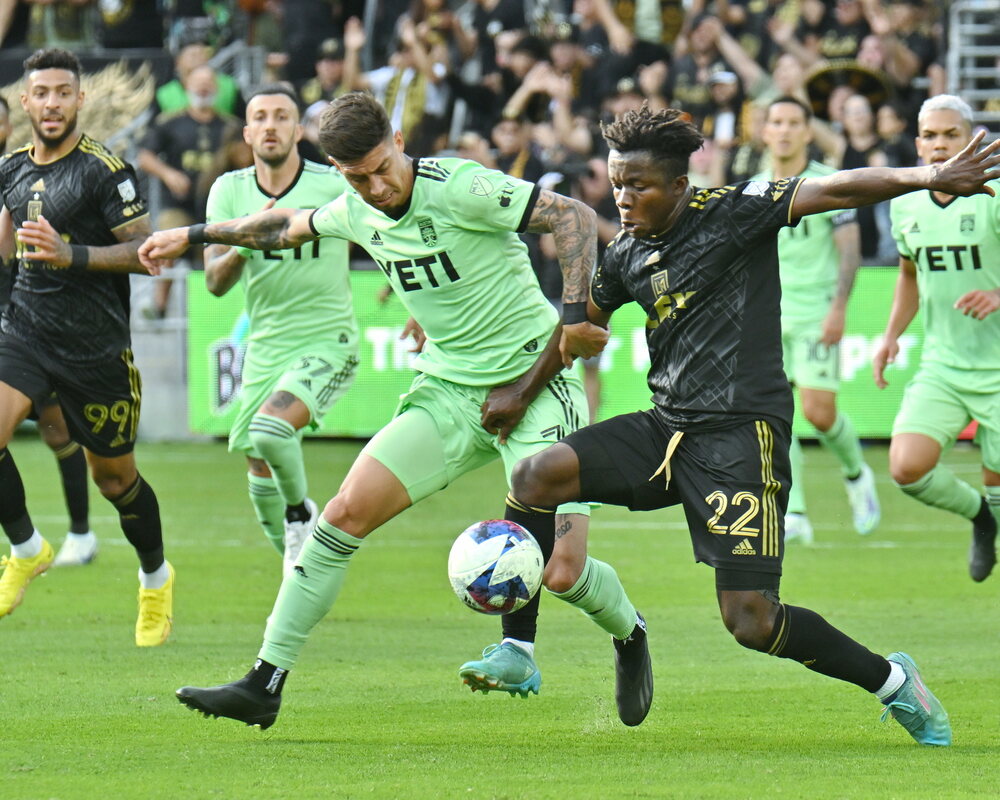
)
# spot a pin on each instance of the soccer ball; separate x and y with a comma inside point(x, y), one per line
point(495, 566)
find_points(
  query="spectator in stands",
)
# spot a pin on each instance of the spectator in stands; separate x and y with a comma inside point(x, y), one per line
point(689, 74)
point(173, 96)
point(5, 126)
point(489, 19)
point(328, 82)
point(891, 124)
point(186, 150)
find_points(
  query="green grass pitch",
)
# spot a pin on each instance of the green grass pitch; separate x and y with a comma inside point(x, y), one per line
point(375, 708)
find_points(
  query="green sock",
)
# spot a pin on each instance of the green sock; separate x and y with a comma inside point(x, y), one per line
point(280, 445)
point(993, 499)
point(600, 595)
point(842, 441)
point(270, 508)
point(308, 593)
point(941, 489)
point(797, 493)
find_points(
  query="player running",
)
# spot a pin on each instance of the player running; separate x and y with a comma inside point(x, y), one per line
point(817, 261)
point(949, 269)
point(66, 328)
point(302, 350)
point(703, 264)
point(444, 232)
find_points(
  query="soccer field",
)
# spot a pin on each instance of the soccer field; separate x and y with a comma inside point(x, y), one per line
point(375, 708)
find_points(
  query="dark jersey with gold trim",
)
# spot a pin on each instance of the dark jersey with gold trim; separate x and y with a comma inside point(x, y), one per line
point(712, 297)
point(76, 316)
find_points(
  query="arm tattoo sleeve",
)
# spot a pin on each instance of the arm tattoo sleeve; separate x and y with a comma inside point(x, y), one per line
point(264, 231)
point(574, 228)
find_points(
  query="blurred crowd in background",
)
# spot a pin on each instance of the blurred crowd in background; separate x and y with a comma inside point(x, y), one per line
point(523, 85)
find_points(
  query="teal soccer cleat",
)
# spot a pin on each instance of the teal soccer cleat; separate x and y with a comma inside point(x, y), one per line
point(916, 708)
point(503, 667)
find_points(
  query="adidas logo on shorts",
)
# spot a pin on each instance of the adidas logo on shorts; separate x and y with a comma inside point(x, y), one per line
point(744, 548)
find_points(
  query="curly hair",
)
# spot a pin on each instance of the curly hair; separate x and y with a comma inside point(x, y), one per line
point(53, 58)
point(352, 126)
point(668, 135)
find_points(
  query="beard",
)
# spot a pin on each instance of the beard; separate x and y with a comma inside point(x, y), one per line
point(53, 142)
point(276, 159)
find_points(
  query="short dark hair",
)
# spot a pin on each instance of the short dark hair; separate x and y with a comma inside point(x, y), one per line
point(275, 88)
point(53, 58)
point(352, 126)
point(668, 135)
point(787, 98)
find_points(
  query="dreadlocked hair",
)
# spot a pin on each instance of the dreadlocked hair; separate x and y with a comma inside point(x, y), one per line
point(668, 135)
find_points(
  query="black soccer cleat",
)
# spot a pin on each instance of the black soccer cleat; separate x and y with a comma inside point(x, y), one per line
point(983, 552)
point(239, 700)
point(633, 675)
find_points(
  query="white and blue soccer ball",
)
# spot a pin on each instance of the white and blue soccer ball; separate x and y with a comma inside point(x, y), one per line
point(495, 566)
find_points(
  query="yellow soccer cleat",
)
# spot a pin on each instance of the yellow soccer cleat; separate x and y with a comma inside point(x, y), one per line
point(18, 573)
point(156, 613)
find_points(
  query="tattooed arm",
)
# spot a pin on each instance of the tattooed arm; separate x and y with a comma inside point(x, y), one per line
point(275, 229)
point(573, 226)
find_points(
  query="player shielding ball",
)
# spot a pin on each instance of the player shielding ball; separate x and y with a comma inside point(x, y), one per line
point(703, 265)
point(949, 269)
point(444, 232)
point(80, 221)
point(302, 347)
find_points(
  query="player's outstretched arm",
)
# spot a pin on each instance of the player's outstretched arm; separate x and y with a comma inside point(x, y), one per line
point(905, 303)
point(42, 242)
point(274, 229)
point(573, 226)
point(964, 174)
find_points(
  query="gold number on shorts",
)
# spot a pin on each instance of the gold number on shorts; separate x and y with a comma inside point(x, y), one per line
point(720, 503)
point(97, 415)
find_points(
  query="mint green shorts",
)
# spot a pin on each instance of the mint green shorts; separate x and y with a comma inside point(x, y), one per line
point(317, 377)
point(938, 403)
point(436, 435)
point(810, 364)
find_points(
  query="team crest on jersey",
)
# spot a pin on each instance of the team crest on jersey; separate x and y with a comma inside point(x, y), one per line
point(427, 232)
point(127, 190)
point(481, 186)
point(967, 224)
point(660, 283)
point(755, 188)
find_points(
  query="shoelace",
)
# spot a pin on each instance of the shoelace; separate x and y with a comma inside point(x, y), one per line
point(896, 704)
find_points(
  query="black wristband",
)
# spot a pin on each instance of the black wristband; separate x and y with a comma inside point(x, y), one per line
point(80, 256)
point(572, 313)
point(196, 234)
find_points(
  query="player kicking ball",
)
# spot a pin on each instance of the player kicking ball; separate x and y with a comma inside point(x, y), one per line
point(703, 264)
point(444, 232)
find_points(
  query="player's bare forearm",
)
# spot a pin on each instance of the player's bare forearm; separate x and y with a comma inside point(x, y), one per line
point(847, 239)
point(223, 268)
point(905, 300)
point(267, 230)
point(573, 226)
point(962, 175)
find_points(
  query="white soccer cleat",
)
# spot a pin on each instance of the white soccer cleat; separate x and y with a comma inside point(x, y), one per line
point(295, 536)
point(77, 549)
point(798, 528)
point(863, 498)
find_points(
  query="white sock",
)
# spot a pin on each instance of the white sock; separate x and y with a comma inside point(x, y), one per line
point(896, 679)
point(527, 647)
point(155, 579)
point(28, 549)
point(80, 536)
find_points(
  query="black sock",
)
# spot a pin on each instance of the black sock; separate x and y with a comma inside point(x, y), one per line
point(267, 677)
point(984, 520)
point(804, 636)
point(541, 523)
point(299, 513)
point(139, 515)
point(73, 468)
point(14, 517)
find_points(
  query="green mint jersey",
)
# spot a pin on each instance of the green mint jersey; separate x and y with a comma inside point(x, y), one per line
point(956, 249)
point(808, 259)
point(455, 261)
point(292, 296)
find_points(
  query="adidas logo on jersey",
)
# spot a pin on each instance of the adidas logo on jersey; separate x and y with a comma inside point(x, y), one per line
point(915, 228)
point(376, 240)
point(744, 548)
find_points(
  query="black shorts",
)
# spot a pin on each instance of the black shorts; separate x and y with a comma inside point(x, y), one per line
point(732, 483)
point(100, 401)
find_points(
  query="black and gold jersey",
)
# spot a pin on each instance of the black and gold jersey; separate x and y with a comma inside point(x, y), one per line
point(76, 316)
point(712, 297)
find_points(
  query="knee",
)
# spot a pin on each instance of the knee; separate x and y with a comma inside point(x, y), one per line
point(905, 472)
point(750, 622)
point(348, 513)
point(820, 417)
point(561, 574)
point(527, 481)
point(113, 486)
point(547, 478)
